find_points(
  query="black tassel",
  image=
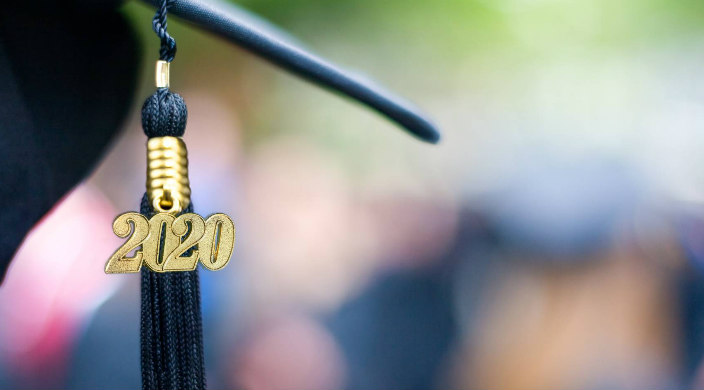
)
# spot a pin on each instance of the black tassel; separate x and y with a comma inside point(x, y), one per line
point(171, 326)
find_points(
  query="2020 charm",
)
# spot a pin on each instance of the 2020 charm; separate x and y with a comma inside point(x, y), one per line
point(171, 243)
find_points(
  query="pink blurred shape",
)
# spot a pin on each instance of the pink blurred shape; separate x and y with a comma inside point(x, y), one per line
point(288, 352)
point(55, 282)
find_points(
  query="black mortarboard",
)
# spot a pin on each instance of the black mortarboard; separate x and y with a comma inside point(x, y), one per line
point(58, 111)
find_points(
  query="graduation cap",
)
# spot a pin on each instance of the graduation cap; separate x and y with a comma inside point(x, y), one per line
point(59, 113)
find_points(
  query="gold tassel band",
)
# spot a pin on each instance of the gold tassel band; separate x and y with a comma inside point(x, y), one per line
point(168, 188)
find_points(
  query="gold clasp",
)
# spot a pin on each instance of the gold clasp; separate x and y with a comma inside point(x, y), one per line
point(168, 187)
point(162, 74)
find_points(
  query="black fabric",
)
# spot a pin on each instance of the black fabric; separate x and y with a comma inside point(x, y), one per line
point(171, 334)
point(235, 24)
point(164, 114)
point(67, 75)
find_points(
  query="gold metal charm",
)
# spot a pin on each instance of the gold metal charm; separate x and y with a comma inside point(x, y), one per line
point(169, 242)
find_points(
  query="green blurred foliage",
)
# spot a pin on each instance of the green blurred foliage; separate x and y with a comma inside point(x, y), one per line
point(484, 24)
point(451, 57)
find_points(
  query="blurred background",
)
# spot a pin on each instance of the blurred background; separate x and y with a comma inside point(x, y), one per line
point(554, 239)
